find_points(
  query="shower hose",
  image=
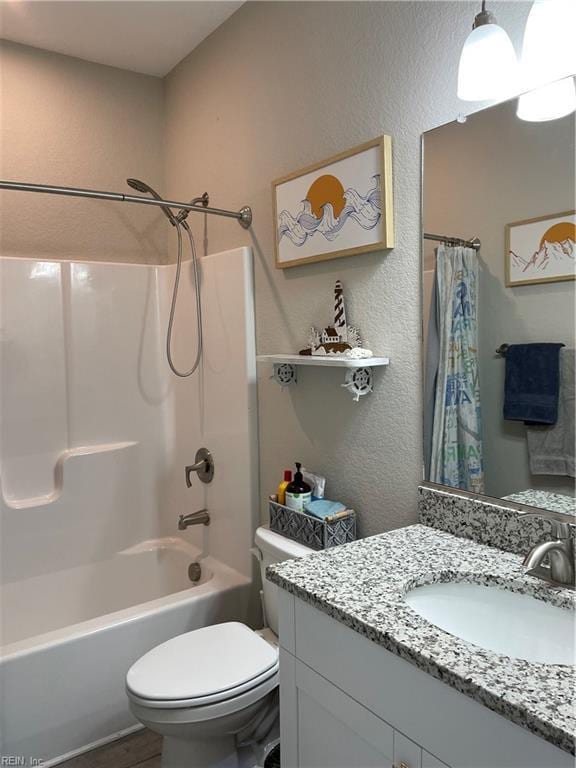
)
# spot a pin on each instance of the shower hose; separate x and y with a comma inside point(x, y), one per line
point(184, 374)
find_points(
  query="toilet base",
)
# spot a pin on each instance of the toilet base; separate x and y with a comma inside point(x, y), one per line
point(213, 736)
point(183, 753)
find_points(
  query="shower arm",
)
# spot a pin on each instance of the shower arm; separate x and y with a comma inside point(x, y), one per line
point(199, 204)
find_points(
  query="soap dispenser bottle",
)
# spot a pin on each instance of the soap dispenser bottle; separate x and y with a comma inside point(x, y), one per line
point(298, 492)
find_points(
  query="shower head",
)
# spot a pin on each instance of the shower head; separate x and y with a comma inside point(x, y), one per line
point(141, 186)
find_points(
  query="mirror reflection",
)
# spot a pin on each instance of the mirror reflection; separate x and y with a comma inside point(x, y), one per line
point(499, 304)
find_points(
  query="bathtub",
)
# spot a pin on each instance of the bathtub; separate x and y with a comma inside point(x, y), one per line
point(69, 637)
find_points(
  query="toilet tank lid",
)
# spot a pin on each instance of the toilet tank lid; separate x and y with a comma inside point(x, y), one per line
point(278, 547)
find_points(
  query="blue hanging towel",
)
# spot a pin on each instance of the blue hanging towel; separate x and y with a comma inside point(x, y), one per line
point(532, 383)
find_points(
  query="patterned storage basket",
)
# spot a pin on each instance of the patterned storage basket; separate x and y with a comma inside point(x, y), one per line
point(308, 530)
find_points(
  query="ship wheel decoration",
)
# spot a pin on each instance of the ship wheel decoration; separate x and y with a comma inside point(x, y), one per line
point(358, 382)
point(284, 374)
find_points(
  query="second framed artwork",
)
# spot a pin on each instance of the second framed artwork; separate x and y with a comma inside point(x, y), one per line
point(341, 206)
point(541, 250)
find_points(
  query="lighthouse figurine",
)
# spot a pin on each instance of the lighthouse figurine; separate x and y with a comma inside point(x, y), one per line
point(338, 339)
point(340, 312)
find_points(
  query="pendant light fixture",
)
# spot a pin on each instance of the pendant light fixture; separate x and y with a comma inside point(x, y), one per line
point(548, 54)
point(488, 65)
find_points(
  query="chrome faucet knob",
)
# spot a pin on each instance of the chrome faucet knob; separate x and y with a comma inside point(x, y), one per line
point(203, 466)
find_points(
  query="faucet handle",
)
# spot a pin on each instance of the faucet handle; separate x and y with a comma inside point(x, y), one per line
point(203, 466)
point(560, 528)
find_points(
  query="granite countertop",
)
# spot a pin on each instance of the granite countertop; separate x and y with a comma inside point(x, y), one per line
point(557, 502)
point(363, 584)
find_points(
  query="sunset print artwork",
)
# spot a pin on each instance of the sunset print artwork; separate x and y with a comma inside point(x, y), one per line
point(339, 207)
point(541, 250)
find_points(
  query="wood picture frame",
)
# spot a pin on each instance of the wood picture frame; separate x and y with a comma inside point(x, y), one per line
point(341, 206)
point(541, 249)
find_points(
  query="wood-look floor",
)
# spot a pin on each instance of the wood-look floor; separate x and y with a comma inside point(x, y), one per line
point(140, 750)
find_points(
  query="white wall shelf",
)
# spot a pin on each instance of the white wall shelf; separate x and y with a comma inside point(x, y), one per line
point(326, 360)
point(358, 379)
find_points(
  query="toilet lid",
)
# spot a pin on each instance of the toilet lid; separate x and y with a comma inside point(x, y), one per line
point(211, 663)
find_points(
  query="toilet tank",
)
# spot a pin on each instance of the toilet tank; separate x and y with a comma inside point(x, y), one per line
point(272, 548)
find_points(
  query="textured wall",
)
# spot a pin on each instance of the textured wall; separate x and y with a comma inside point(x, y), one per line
point(277, 87)
point(519, 171)
point(67, 121)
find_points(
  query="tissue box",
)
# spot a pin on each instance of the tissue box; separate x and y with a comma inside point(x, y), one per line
point(308, 530)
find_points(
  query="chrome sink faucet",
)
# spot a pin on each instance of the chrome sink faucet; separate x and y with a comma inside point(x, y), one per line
point(559, 551)
point(202, 517)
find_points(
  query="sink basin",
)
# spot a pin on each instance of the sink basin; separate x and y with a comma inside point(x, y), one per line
point(498, 620)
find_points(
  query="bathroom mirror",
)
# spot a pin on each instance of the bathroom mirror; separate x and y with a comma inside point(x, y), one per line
point(498, 269)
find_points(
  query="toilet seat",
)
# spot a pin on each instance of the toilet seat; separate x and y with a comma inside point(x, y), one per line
point(199, 669)
point(203, 701)
point(186, 712)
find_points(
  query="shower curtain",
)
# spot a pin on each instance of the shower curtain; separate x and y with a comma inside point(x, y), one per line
point(456, 457)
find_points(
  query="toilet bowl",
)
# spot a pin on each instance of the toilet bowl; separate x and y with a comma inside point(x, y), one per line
point(201, 689)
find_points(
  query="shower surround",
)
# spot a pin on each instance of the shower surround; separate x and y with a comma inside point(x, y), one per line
point(95, 435)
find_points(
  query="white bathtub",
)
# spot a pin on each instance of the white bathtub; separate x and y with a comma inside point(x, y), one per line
point(70, 636)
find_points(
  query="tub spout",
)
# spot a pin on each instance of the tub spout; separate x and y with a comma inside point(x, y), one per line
point(202, 517)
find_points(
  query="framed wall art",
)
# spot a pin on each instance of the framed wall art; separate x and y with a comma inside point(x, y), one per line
point(341, 206)
point(541, 250)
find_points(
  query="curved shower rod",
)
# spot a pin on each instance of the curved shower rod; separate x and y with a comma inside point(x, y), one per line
point(243, 216)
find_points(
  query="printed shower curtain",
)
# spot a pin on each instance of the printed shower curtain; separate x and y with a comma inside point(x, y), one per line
point(456, 457)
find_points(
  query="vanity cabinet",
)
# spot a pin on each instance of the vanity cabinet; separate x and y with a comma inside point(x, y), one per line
point(335, 731)
point(346, 702)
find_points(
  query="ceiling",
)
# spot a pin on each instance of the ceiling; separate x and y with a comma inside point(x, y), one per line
point(148, 36)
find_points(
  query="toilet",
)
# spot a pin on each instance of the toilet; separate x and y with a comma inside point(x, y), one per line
point(201, 689)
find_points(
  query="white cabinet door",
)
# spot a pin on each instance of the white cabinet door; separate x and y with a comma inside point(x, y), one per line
point(407, 754)
point(429, 761)
point(334, 731)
